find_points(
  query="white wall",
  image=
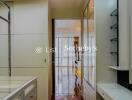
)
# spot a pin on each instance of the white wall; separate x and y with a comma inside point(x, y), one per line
point(130, 20)
point(30, 33)
point(103, 8)
point(123, 33)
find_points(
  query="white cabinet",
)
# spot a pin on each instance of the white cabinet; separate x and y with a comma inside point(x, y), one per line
point(30, 93)
point(19, 96)
point(25, 91)
point(103, 94)
point(31, 47)
point(112, 91)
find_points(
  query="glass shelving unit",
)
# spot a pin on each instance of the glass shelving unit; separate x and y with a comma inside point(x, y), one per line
point(114, 13)
point(115, 39)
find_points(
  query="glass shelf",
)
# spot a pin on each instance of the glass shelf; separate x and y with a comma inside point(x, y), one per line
point(114, 40)
point(114, 13)
point(115, 26)
point(114, 53)
point(120, 68)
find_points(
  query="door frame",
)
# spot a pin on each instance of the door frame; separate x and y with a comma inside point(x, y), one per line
point(53, 59)
point(53, 47)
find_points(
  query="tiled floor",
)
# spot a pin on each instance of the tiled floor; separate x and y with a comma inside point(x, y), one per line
point(65, 81)
point(67, 98)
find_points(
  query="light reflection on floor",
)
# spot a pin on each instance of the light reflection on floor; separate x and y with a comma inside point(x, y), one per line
point(65, 81)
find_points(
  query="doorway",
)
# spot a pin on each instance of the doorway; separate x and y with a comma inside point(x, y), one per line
point(67, 59)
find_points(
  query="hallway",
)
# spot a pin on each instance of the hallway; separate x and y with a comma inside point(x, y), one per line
point(75, 57)
point(67, 56)
point(65, 49)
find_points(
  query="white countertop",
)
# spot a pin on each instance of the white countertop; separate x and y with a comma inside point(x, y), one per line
point(115, 91)
point(121, 68)
point(9, 84)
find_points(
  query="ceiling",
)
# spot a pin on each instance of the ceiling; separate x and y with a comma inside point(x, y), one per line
point(68, 26)
point(66, 3)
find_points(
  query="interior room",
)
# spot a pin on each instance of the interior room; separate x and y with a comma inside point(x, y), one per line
point(65, 50)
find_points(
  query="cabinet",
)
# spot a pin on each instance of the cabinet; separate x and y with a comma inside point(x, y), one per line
point(122, 39)
point(19, 96)
point(103, 94)
point(112, 91)
point(123, 33)
point(31, 95)
point(27, 91)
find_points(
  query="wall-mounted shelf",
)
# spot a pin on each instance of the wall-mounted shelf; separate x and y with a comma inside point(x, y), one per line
point(114, 40)
point(114, 53)
point(119, 68)
point(114, 13)
point(114, 26)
